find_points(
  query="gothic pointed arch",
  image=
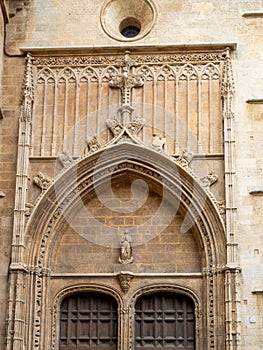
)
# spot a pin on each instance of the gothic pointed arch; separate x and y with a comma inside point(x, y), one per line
point(80, 179)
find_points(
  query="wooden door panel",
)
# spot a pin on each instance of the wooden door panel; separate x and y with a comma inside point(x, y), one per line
point(165, 320)
point(88, 321)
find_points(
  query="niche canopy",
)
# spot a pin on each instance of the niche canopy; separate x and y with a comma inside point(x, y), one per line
point(127, 21)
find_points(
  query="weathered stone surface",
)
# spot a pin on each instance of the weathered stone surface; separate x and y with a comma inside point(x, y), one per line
point(72, 91)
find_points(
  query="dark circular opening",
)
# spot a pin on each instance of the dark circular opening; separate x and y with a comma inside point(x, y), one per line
point(130, 27)
point(130, 31)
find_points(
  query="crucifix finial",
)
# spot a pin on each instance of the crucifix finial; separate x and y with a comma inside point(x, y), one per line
point(126, 80)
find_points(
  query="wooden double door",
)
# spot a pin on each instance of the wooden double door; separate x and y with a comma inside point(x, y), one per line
point(89, 321)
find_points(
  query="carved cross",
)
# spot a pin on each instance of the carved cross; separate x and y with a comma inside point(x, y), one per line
point(126, 80)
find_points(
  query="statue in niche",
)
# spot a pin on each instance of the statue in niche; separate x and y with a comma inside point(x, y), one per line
point(126, 249)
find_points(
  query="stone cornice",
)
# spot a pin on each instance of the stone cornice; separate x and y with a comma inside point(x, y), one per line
point(135, 48)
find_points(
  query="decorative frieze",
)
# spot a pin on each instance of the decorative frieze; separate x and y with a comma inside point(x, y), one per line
point(139, 59)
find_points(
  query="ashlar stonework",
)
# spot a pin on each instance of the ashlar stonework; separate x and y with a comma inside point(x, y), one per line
point(131, 174)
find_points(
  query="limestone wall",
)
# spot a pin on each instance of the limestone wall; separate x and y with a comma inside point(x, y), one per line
point(76, 24)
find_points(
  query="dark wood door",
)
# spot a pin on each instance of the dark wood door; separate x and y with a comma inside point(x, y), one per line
point(164, 320)
point(88, 321)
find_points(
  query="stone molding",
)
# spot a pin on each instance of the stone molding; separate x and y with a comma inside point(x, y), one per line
point(32, 285)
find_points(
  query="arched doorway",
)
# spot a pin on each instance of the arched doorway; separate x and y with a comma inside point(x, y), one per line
point(164, 319)
point(76, 186)
point(88, 320)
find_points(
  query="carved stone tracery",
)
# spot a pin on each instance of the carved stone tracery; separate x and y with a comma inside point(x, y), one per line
point(57, 72)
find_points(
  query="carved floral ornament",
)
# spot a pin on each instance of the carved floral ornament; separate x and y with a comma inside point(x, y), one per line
point(141, 59)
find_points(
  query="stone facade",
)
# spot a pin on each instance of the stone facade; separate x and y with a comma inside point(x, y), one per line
point(159, 134)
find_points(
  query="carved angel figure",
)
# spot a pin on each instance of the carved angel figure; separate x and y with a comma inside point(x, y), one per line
point(92, 144)
point(186, 158)
point(209, 180)
point(114, 125)
point(65, 159)
point(158, 143)
point(126, 249)
point(136, 124)
point(42, 181)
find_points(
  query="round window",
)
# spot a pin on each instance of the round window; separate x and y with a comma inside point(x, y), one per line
point(128, 21)
point(130, 27)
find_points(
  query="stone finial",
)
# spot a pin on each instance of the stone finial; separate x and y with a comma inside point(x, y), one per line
point(27, 92)
point(126, 249)
point(227, 85)
point(125, 81)
point(209, 179)
point(65, 159)
point(42, 181)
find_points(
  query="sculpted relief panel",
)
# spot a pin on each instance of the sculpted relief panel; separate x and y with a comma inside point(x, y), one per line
point(177, 95)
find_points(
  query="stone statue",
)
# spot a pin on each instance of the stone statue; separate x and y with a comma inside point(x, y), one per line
point(186, 158)
point(42, 181)
point(125, 279)
point(93, 144)
point(65, 159)
point(209, 180)
point(158, 143)
point(126, 249)
point(114, 125)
